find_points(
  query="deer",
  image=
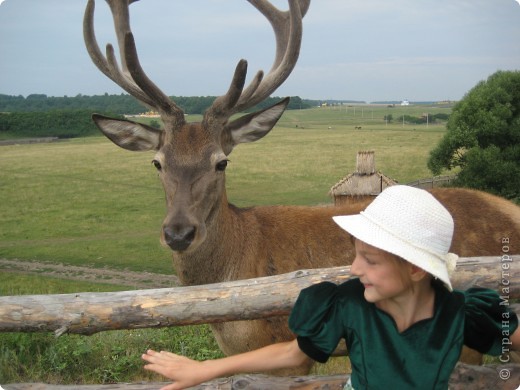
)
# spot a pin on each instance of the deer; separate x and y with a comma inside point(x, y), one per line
point(213, 241)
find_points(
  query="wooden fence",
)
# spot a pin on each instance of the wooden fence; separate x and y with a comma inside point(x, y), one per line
point(88, 313)
point(432, 182)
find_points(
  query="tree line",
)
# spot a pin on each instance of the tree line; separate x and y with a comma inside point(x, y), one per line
point(54, 123)
point(121, 104)
point(39, 115)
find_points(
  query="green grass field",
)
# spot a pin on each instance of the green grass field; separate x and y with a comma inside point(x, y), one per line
point(87, 202)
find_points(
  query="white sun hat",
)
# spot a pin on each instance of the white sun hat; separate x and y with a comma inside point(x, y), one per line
point(410, 223)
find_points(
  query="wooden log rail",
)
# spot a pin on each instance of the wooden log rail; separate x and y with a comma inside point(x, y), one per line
point(464, 377)
point(88, 313)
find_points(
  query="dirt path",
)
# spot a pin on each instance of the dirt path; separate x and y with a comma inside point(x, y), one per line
point(136, 280)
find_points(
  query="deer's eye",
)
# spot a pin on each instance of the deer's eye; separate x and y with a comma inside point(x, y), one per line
point(156, 164)
point(221, 165)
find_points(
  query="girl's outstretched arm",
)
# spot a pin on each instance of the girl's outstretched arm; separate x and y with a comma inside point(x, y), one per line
point(185, 372)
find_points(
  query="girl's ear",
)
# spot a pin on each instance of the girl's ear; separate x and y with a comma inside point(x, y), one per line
point(417, 274)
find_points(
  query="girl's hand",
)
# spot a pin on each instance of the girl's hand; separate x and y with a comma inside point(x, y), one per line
point(185, 372)
point(182, 371)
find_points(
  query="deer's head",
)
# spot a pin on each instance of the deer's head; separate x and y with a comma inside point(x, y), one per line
point(191, 157)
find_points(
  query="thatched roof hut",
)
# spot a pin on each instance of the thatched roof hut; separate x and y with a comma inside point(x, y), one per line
point(364, 182)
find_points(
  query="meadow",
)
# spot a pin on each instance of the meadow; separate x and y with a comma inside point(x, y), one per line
point(86, 202)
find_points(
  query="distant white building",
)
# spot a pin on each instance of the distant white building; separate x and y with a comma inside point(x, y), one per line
point(405, 103)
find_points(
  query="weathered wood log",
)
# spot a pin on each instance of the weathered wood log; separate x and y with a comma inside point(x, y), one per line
point(501, 377)
point(464, 377)
point(88, 313)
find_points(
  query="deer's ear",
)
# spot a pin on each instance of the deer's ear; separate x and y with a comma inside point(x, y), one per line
point(252, 127)
point(127, 134)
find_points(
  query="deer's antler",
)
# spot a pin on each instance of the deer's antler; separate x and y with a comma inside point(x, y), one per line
point(131, 76)
point(287, 26)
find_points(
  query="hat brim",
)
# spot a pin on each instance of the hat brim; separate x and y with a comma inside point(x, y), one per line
point(366, 230)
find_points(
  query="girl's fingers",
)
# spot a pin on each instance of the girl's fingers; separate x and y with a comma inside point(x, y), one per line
point(169, 354)
point(153, 356)
point(148, 357)
point(162, 354)
point(175, 367)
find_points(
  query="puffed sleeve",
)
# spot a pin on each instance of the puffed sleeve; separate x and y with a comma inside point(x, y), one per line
point(488, 322)
point(314, 321)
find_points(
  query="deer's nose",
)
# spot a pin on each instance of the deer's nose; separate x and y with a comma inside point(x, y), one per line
point(179, 238)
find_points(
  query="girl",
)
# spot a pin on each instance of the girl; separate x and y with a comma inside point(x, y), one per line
point(403, 323)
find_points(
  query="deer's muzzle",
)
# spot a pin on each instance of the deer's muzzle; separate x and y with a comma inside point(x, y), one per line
point(179, 238)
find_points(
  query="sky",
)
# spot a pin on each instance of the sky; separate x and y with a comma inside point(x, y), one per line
point(366, 50)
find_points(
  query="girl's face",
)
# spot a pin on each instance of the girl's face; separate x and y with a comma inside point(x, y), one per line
point(379, 272)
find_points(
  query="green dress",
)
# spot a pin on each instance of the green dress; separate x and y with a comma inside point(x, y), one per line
point(421, 357)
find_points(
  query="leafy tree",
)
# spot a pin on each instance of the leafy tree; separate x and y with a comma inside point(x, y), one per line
point(483, 137)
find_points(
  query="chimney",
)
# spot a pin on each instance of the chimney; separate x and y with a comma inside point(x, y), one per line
point(365, 163)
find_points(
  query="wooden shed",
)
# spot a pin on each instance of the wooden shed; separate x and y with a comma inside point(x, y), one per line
point(365, 182)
